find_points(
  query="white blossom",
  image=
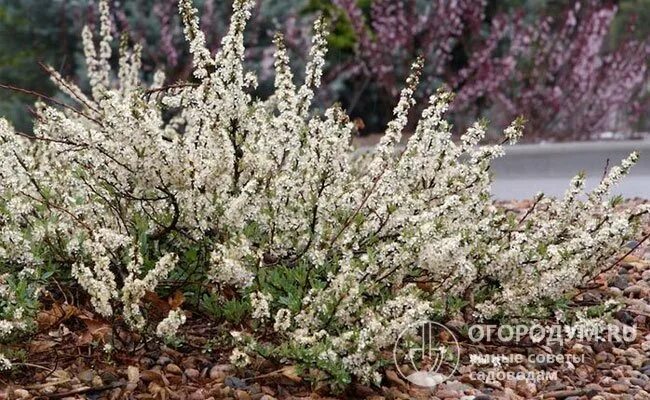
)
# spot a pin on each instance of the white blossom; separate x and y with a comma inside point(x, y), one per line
point(168, 327)
point(239, 359)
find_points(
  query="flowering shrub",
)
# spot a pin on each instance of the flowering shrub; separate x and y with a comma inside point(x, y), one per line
point(333, 251)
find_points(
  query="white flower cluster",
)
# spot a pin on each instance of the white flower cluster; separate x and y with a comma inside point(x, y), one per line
point(239, 359)
point(13, 316)
point(261, 307)
point(127, 179)
point(168, 327)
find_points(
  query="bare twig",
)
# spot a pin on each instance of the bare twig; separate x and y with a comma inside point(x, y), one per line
point(51, 100)
point(168, 87)
point(85, 389)
point(531, 209)
point(44, 139)
point(632, 250)
point(48, 70)
point(605, 170)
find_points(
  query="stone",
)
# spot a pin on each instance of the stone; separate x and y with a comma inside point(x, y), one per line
point(163, 360)
point(445, 394)
point(511, 395)
point(619, 281)
point(86, 376)
point(217, 374)
point(625, 317)
point(173, 369)
point(634, 291)
point(22, 394)
point(457, 386)
point(395, 379)
point(583, 372)
point(594, 387)
point(133, 374)
point(619, 388)
point(604, 346)
point(528, 389)
point(97, 381)
point(197, 395)
point(235, 383)
point(192, 373)
point(645, 275)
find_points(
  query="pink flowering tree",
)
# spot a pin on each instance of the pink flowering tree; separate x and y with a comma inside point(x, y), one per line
point(558, 71)
point(568, 83)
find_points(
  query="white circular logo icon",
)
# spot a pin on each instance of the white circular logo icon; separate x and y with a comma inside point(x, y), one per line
point(426, 353)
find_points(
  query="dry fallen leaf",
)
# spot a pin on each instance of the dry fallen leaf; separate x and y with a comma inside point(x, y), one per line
point(290, 372)
point(176, 300)
point(157, 307)
point(59, 313)
point(96, 330)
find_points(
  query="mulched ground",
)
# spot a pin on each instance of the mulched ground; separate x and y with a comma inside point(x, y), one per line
point(65, 361)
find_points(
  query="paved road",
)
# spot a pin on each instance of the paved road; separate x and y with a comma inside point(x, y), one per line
point(528, 169)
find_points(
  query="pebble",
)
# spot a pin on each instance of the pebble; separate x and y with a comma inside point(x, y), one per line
point(619, 388)
point(604, 356)
point(528, 389)
point(619, 281)
point(48, 390)
point(97, 381)
point(173, 369)
point(163, 360)
point(624, 316)
point(242, 395)
point(21, 394)
point(86, 376)
point(602, 346)
point(197, 395)
point(217, 374)
point(645, 275)
point(634, 290)
point(192, 373)
point(146, 362)
point(235, 383)
point(394, 378)
point(443, 394)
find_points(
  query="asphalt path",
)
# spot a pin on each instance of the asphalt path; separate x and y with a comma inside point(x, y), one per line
point(526, 170)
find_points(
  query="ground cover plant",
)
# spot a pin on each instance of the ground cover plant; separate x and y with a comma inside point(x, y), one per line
point(261, 212)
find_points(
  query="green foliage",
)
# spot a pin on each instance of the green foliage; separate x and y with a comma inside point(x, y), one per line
point(233, 310)
point(342, 37)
